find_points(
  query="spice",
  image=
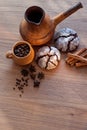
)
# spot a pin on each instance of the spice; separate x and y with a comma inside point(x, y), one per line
point(20, 95)
point(21, 83)
point(32, 68)
point(22, 79)
point(40, 75)
point(78, 59)
point(26, 74)
point(33, 76)
point(18, 80)
point(13, 88)
point(36, 83)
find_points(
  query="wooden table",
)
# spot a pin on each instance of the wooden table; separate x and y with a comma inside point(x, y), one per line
point(60, 103)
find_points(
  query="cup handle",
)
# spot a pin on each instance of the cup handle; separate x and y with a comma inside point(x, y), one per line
point(9, 54)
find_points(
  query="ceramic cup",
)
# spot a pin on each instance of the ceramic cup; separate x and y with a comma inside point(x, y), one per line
point(21, 60)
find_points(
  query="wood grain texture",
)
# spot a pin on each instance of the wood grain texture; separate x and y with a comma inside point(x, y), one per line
point(61, 100)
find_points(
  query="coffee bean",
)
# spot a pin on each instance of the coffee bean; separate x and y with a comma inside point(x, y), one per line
point(27, 74)
point(20, 95)
point(24, 72)
point(18, 80)
point(36, 83)
point(33, 76)
point(40, 75)
point(32, 68)
point(21, 50)
point(13, 88)
point(22, 79)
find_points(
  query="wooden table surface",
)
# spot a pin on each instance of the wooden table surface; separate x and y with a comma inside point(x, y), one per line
point(60, 103)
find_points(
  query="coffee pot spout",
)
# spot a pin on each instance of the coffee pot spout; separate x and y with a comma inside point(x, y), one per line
point(57, 19)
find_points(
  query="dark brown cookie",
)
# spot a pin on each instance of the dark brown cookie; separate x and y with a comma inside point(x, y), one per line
point(67, 40)
point(48, 57)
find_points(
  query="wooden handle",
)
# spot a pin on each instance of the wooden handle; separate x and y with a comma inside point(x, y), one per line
point(73, 9)
point(67, 13)
point(9, 54)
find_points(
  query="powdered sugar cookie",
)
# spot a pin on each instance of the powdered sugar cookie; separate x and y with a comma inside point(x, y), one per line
point(67, 40)
point(48, 57)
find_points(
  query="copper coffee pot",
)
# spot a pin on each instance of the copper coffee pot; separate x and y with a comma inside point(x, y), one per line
point(37, 28)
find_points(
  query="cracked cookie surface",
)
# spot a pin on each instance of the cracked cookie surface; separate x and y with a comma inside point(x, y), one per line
point(48, 57)
point(67, 40)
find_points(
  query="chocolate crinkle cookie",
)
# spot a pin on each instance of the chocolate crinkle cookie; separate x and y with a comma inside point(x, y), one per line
point(67, 40)
point(48, 57)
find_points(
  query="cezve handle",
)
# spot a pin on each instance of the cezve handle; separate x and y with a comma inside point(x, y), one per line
point(67, 13)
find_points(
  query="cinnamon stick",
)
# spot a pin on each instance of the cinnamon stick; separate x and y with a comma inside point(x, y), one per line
point(71, 60)
point(80, 64)
point(77, 57)
point(84, 54)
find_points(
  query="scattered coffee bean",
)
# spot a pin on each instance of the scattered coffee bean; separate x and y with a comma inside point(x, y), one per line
point(13, 88)
point(23, 82)
point(24, 72)
point(32, 68)
point(26, 80)
point(22, 79)
point(26, 84)
point(21, 50)
point(40, 75)
point(33, 76)
point(20, 95)
point(20, 88)
point(18, 80)
point(17, 83)
point(36, 83)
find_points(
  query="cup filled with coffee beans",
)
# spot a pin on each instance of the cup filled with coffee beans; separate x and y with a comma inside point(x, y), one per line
point(22, 53)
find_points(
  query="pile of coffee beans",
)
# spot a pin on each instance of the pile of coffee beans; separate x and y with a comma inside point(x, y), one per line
point(26, 74)
point(21, 50)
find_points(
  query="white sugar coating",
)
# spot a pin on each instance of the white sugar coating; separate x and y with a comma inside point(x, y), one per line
point(56, 52)
point(52, 52)
point(48, 57)
point(66, 31)
point(42, 61)
point(67, 40)
point(43, 51)
point(50, 66)
point(54, 58)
